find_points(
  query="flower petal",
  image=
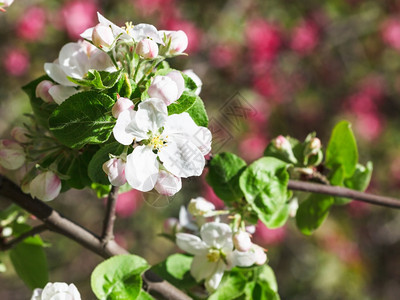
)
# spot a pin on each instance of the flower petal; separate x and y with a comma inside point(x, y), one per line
point(142, 31)
point(243, 259)
point(214, 280)
point(117, 31)
point(60, 93)
point(191, 243)
point(218, 235)
point(152, 114)
point(87, 34)
point(74, 60)
point(56, 73)
point(121, 134)
point(201, 267)
point(141, 170)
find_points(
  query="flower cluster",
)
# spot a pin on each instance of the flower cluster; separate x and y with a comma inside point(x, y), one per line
point(57, 290)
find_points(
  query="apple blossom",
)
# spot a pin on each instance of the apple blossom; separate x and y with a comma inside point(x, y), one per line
point(167, 184)
point(177, 40)
point(57, 290)
point(12, 155)
point(200, 206)
point(168, 88)
point(20, 134)
point(259, 255)
point(242, 241)
point(102, 36)
point(115, 170)
point(196, 80)
point(213, 253)
point(42, 91)
point(175, 140)
point(121, 105)
point(46, 186)
point(147, 48)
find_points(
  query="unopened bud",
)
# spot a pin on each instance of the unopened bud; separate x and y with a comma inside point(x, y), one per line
point(147, 48)
point(20, 134)
point(115, 170)
point(42, 91)
point(46, 186)
point(242, 241)
point(121, 105)
point(168, 184)
point(168, 88)
point(12, 155)
point(315, 145)
point(200, 206)
point(282, 143)
point(102, 36)
point(177, 40)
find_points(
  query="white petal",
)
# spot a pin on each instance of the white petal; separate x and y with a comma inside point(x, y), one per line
point(120, 129)
point(182, 158)
point(141, 169)
point(100, 61)
point(117, 31)
point(183, 127)
point(218, 235)
point(243, 259)
point(177, 77)
point(87, 34)
point(142, 31)
point(168, 184)
point(60, 93)
point(56, 73)
point(185, 219)
point(201, 267)
point(152, 114)
point(73, 60)
point(191, 243)
point(214, 280)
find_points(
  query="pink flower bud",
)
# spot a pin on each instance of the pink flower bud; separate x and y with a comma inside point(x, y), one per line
point(115, 170)
point(242, 241)
point(172, 226)
point(168, 88)
point(259, 255)
point(121, 105)
point(46, 186)
point(168, 184)
point(178, 41)
point(20, 134)
point(42, 91)
point(315, 144)
point(147, 48)
point(200, 206)
point(102, 36)
point(282, 143)
point(12, 155)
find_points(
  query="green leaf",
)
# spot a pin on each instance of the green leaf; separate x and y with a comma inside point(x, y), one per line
point(342, 149)
point(190, 85)
point(264, 185)
point(291, 156)
point(266, 275)
point(84, 118)
point(119, 277)
point(100, 80)
point(144, 296)
point(181, 105)
point(78, 170)
point(41, 109)
point(231, 286)
point(361, 177)
point(95, 167)
point(198, 113)
point(30, 263)
point(312, 212)
point(176, 270)
point(223, 176)
point(263, 292)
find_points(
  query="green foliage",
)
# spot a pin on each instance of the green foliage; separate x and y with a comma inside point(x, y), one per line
point(30, 263)
point(361, 177)
point(198, 113)
point(41, 109)
point(190, 85)
point(83, 118)
point(99, 80)
point(223, 176)
point(185, 102)
point(119, 277)
point(264, 185)
point(312, 212)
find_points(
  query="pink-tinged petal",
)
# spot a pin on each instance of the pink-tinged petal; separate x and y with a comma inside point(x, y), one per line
point(141, 169)
point(115, 170)
point(191, 244)
point(60, 93)
point(168, 184)
point(121, 105)
point(120, 129)
point(164, 88)
point(46, 186)
point(177, 77)
point(12, 155)
point(218, 235)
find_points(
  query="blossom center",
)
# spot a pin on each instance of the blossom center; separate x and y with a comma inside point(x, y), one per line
point(213, 255)
point(128, 26)
point(157, 142)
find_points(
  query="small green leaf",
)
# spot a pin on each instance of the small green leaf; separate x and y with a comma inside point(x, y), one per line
point(342, 149)
point(84, 118)
point(119, 277)
point(190, 85)
point(181, 105)
point(361, 177)
point(266, 275)
point(264, 185)
point(231, 286)
point(100, 80)
point(95, 167)
point(198, 113)
point(78, 170)
point(144, 296)
point(223, 176)
point(312, 212)
point(30, 263)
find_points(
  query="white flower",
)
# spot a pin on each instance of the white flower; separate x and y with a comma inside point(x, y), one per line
point(213, 253)
point(46, 186)
point(102, 36)
point(177, 40)
point(200, 206)
point(174, 140)
point(196, 80)
point(12, 155)
point(57, 291)
point(242, 241)
point(115, 170)
point(121, 105)
point(147, 48)
point(168, 184)
point(168, 88)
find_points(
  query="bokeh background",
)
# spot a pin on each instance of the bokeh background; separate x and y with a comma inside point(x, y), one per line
point(268, 68)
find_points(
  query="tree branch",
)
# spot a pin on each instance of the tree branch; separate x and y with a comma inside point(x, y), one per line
point(343, 192)
point(58, 223)
point(109, 218)
point(36, 230)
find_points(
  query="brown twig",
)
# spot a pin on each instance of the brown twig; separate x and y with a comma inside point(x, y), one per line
point(109, 219)
point(58, 223)
point(343, 192)
point(36, 230)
